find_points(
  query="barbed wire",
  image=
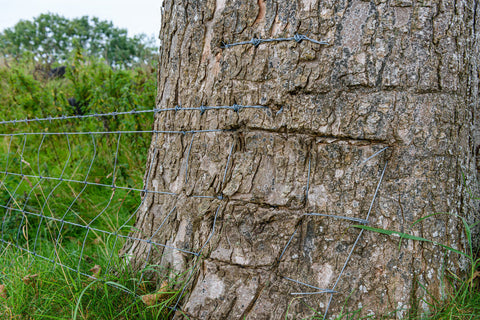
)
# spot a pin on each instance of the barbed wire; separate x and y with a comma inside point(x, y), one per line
point(202, 109)
point(76, 133)
point(257, 41)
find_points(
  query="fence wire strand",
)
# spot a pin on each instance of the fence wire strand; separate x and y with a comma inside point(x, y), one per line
point(257, 41)
point(201, 109)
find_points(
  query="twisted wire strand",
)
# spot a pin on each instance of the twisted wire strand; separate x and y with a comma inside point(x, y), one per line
point(258, 41)
point(112, 132)
point(151, 243)
point(202, 109)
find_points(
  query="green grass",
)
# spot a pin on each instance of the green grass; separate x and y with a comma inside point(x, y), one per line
point(59, 293)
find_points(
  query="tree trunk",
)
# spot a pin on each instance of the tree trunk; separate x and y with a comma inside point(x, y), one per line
point(377, 126)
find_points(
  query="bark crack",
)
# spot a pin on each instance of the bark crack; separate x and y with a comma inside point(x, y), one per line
point(312, 134)
point(252, 303)
point(242, 266)
point(261, 12)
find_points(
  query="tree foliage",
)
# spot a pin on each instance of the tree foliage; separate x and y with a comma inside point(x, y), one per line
point(96, 87)
point(51, 37)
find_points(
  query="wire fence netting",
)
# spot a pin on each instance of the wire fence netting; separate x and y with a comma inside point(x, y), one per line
point(69, 193)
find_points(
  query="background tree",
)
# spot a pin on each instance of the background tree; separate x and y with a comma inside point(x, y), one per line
point(51, 37)
point(396, 74)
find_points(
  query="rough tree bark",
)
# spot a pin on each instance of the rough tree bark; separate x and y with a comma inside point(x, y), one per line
point(399, 74)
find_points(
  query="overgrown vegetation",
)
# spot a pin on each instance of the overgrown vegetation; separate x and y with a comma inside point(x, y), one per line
point(31, 287)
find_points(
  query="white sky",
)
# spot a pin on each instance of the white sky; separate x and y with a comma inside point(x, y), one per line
point(137, 16)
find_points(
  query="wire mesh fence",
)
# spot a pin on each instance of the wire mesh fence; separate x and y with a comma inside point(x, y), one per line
point(70, 197)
